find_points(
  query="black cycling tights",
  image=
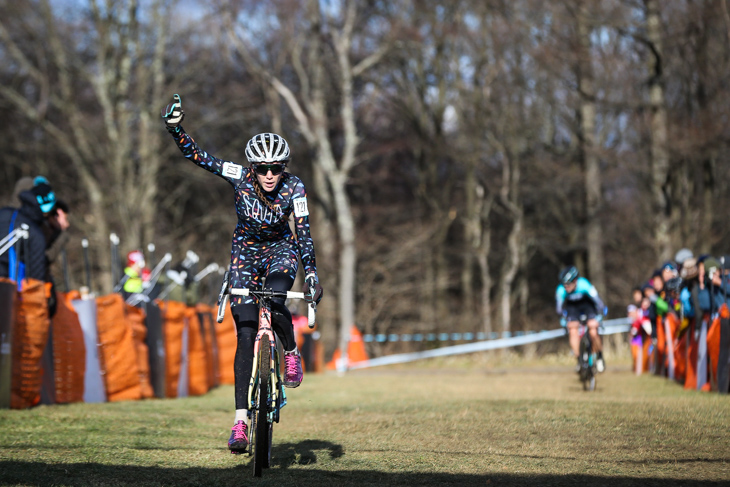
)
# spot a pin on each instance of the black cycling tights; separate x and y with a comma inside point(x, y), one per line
point(246, 317)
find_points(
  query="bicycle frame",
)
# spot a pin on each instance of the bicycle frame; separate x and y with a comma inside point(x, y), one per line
point(273, 405)
point(266, 389)
point(264, 296)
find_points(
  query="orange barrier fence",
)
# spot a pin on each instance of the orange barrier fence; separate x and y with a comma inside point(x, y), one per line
point(226, 338)
point(691, 352)
point(690, 379)
point(173, 327)
point(69, 359)
point(197, 357)
point(206, 315)
point(118, 355)
point(198, 353)
point(135, 317)
point(29, 339)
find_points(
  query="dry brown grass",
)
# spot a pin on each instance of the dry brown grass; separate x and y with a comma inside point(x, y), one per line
point(439, 423)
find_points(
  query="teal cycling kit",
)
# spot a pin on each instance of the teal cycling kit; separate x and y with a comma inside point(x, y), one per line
point(584, 300)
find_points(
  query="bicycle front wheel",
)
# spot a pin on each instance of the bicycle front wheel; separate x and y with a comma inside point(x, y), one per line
point(587, 359)
point(590, 383)
point(260, 443)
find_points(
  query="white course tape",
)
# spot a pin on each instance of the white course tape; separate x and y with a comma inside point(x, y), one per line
point(609, 327)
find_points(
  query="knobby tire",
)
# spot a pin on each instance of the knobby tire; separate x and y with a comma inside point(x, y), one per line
point(261, 442)
point(587, 373)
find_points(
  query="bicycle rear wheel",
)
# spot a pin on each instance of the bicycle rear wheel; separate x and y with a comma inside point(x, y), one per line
point(260, 443)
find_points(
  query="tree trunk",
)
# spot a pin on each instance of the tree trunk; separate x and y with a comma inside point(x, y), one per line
point(483, 245)
point(509, 271)
point(325, 235)
point(659, 155)
point(708, 204)
point(594, 198)
point(471, 238)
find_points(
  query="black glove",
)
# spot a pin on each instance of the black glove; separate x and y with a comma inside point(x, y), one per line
point(312, 290)
point(173, 113)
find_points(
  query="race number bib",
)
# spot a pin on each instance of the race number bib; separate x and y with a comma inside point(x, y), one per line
point(232, 170)
point(300, 207)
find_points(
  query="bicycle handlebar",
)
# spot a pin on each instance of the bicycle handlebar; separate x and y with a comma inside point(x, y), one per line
point(267, 293)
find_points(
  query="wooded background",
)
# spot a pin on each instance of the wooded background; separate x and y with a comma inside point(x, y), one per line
point(457, 154)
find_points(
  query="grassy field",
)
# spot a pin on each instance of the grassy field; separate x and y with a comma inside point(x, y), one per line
point(438, 423)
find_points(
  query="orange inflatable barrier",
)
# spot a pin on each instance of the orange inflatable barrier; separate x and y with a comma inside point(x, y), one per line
point(135, 318)
point(690, 378)
point(173, 324)
point(69, 352)
point(29, 339)
point(226, 338)
point(713, 350)
point(680, 346)
point(206, 314)
point(660, 353)
point(197, 357)
point(355, 350)
point(117, 351)
point(646, 356)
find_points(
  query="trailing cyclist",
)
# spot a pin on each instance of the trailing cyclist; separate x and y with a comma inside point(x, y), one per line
point(263, 248)
point(576, 296)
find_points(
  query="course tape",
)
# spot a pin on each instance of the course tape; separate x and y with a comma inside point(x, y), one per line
point(609, 327)
point(443, 337)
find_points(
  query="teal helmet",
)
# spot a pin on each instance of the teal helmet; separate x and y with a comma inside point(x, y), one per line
point(568, 275)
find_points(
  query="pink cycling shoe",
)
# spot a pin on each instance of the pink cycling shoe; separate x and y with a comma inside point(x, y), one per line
point(238, 442)
point(293, 373)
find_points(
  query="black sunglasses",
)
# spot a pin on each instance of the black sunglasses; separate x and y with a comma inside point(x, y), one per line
point(263, 169)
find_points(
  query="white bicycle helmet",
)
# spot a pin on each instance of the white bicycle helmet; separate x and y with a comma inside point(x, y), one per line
point(267, 147)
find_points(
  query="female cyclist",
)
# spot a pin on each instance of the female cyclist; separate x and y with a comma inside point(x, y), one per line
point(264, 247)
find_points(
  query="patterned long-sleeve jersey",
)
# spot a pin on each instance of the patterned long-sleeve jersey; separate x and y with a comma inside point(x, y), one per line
point(258, 226)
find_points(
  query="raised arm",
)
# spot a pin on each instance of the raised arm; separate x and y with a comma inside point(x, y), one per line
point(173, 115)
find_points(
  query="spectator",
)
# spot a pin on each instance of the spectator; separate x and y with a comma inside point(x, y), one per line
point(38, 204)
point(133, 272)
point(681, 256)
point(55, 225)
point(669, 271)
point(716, 287)
point(641, 330)
point(657, 282)
point(701, 275)
point(637, 295)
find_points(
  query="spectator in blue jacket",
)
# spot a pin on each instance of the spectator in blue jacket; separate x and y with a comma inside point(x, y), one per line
point(716, 286)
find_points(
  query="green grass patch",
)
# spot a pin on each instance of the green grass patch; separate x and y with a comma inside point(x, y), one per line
point(443, 423)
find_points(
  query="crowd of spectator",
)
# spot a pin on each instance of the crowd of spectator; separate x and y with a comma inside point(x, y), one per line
point(675, 318)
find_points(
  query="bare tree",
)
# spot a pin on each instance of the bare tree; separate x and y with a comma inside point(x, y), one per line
point(98, 108)
point(313, 106)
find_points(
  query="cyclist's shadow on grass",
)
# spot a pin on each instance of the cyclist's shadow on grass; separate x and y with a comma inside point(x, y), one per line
point(305, 452)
